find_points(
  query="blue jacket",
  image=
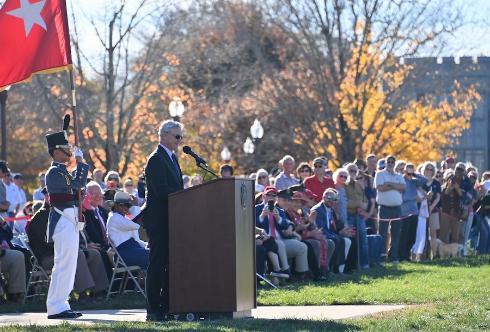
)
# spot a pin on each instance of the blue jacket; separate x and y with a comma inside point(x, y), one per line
point(322, 220)
point(264, 224)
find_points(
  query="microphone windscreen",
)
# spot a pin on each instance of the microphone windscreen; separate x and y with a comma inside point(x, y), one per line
point(66, 121)
point(186, 149)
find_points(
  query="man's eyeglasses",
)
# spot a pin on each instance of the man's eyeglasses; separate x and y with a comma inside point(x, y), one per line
point(343, 176)
point(263, 177)
point(331, 198)
point(352, 171)
point(304, 170)
point(318, 166)
point(429, 169)
point(391, 161)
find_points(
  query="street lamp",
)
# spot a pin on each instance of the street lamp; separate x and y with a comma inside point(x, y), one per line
point(226, 154)
point(248, 146)
point(256, 130)
point(176, 109)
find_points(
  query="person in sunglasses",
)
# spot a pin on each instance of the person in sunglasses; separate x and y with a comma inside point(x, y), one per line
point(390, 187)
point(318, 182)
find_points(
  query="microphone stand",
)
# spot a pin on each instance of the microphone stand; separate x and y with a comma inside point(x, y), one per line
point(206, 168)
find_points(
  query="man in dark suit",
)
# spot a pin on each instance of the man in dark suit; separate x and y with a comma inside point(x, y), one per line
point(163, 177)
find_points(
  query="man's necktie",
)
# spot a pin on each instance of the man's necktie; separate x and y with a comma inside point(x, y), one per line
point(272, 225)
point(176, 163)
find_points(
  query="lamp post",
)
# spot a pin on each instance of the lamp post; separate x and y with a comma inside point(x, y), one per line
point(3, 120)
point(176, 109)
point(226, 154)
point(257, 131)
point(248, 146)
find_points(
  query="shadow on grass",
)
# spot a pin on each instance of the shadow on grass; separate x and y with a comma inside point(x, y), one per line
point(236, 324)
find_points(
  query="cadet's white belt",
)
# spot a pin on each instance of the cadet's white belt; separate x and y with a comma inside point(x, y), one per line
point(73, 218)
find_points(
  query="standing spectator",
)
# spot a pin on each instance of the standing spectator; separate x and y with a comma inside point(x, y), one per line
point(318, 182)
point(226, 171)
point(371, 163)
point(433, 189)
point(261, 180)
point(112, 180)
point(303, 171)
point(449, 163)
point(19, 182)
point(196, 180)
point(129, 187)
point(38, 195)
point(13, 195)
point(410, 211)
point(340, 177)
point(286, 178)
point(98, 175)
point(467, 224)
point(390, 187)
point(361, 165)
point(400, 167)
point(451, 211)
point(357, 204)
point(381, 164)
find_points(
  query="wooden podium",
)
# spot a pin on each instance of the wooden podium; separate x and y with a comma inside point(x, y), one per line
point(212, 249)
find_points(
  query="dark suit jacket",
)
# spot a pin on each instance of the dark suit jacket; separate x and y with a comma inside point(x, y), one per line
point(92, 226)
point(37, 234)
point(162, 179)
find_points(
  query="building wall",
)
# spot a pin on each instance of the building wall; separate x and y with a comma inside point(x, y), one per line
point(436, 76)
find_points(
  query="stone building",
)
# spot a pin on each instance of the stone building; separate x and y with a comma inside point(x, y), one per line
point(436, 76)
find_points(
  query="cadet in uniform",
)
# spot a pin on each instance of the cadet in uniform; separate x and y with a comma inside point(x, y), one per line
point(63, 225)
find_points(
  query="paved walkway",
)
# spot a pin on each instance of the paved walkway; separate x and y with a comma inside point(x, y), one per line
point(332, 312)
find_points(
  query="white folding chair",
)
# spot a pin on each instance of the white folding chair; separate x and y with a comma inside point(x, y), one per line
point(123, 273)
point(39, 278)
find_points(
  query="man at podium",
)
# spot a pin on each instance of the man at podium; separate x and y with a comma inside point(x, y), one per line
point(163, 177)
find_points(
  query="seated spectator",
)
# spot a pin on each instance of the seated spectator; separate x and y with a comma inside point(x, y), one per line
point(261, 180)
point(266, 244)
point(123, 232)
point(226, 171)
point(342, 236)
point(95, 223)
point(318, 182)
point(286, 178)
point(303, 171)
point(12, 266)
point(89, 276)
point(272, 219)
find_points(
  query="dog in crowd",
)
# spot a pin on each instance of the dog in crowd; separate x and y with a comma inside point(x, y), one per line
point(446, 250)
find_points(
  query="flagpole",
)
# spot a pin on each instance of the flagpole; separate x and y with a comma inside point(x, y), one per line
point(75, 129)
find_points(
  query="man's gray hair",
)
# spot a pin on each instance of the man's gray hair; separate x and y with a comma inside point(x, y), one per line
point(286, 157)
point(168, 125)
point(92, 184)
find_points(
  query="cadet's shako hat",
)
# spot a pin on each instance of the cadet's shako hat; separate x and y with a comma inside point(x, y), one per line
point(57, 140)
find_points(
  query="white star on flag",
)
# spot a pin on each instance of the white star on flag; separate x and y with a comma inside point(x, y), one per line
point(30, 13)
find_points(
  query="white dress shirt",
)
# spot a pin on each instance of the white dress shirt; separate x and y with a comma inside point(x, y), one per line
point(120, 229)
point(13, 196)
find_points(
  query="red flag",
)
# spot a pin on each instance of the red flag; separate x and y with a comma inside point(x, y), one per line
point(34, 39)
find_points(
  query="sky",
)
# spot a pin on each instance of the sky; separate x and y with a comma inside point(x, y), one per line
point(473, 39)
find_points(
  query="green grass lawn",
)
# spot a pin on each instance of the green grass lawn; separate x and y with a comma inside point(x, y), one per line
point(449, 295)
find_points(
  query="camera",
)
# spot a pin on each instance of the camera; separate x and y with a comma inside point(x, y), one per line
point(270, 204)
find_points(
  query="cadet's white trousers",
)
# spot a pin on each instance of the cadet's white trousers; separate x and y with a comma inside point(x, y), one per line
point(65, 239)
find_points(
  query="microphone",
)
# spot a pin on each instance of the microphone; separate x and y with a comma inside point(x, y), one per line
point(199, 160)
point(66, 121)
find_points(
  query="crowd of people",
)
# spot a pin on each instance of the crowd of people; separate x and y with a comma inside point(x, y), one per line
point(310, 220)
